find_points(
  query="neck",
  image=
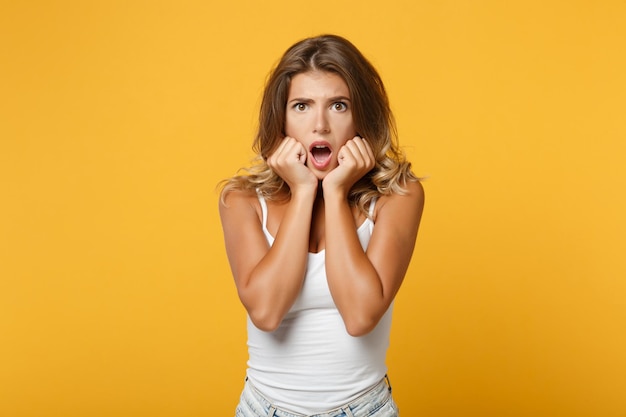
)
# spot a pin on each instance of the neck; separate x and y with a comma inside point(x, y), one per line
point(320, 191)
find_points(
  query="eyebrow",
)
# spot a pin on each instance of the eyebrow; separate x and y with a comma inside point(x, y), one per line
point(310, 100)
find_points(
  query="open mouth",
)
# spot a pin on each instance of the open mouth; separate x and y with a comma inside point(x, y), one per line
point(321, 154)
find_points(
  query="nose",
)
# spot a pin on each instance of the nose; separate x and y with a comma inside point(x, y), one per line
point(321, 125)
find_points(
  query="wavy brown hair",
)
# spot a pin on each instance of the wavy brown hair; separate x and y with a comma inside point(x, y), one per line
point(371, 113)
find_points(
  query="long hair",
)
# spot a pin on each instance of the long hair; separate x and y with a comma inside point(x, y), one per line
point(371, 114)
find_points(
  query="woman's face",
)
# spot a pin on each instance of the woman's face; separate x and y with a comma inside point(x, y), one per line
point(319, 115)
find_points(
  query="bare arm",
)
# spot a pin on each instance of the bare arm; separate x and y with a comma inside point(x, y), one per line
point(268, 279)
point(363, 284)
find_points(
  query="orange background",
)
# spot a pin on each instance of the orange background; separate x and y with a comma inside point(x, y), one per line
point(118, 118)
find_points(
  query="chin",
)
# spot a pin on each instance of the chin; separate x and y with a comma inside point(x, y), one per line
point(321, 174)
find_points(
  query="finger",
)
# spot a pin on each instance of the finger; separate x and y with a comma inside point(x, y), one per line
point(358, 146)
point(359, 149)
point(287, 148)
point(364, 147)
point(291, 152)
point(364, 151)
point(294, 150)
point(369, 152)
point(300, 151)
point(346, 153)
point(278, 151)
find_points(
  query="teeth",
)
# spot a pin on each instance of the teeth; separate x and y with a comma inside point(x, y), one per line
point(320, 153)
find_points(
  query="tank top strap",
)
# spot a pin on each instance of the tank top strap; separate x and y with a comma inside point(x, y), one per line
point(371, 207)
point(263, 209)
point(370, 220)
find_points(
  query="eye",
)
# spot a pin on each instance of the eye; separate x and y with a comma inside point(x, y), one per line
point(300, 106)
point(340, 106)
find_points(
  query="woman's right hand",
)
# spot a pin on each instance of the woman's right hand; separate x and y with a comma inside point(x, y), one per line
point(289, 162)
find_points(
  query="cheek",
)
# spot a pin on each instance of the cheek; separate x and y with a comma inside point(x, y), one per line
point(345, 128)
point(293, 128)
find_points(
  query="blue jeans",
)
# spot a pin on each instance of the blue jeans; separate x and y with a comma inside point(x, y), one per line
point(375, 402)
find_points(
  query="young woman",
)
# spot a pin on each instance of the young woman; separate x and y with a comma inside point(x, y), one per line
point(319, 234)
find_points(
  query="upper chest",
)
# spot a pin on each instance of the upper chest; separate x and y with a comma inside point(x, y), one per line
point(275, 213)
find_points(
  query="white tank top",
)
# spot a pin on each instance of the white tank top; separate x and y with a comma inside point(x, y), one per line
point(310, 363)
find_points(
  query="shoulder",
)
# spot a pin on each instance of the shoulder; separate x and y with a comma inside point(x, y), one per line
point(237, 195)
point(409, 202)
point(238, 201)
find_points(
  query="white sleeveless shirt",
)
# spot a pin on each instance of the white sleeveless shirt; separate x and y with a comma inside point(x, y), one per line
point(310, 363)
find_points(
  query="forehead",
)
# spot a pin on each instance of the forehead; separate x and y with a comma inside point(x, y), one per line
point(318, 84)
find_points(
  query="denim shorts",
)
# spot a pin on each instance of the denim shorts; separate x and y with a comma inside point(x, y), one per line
point(376, 402)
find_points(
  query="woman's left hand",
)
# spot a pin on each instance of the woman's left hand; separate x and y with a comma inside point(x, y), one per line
point(355, 159)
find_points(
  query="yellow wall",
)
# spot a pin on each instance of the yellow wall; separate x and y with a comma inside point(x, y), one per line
point(117, 119)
